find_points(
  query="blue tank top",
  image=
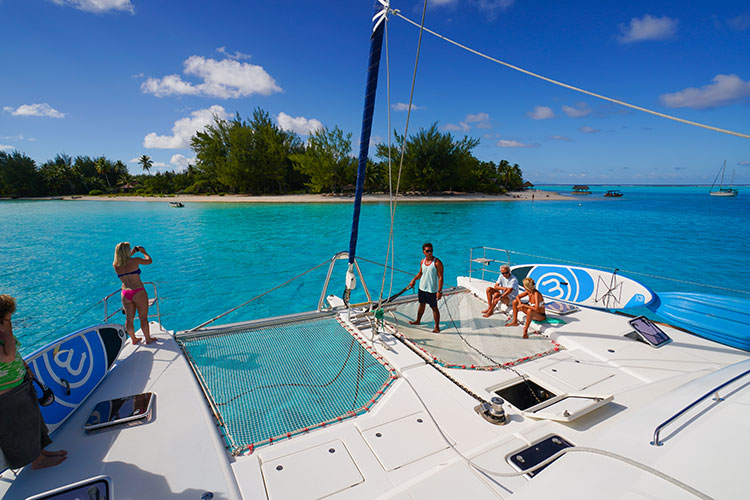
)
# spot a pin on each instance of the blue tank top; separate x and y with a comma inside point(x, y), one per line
point(429, 280)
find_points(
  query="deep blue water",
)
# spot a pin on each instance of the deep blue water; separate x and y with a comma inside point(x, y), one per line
point(209, 257)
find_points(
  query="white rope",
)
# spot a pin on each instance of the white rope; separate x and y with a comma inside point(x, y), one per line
point(565, 85)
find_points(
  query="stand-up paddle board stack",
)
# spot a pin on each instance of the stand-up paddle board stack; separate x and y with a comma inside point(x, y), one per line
point(585, 286)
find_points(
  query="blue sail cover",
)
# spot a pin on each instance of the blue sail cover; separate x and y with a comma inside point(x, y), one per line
point(373, 67)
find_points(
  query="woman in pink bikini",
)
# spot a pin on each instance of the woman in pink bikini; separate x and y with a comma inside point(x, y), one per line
point(134, 296)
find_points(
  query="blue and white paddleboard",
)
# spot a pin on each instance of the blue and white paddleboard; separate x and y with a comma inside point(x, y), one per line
point(73, 366)
point(586, 287)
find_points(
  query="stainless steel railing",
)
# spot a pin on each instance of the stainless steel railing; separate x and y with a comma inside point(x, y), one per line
point(657, 442)
point(485, 260)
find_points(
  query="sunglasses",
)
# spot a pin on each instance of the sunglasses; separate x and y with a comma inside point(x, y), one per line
point(427, 250)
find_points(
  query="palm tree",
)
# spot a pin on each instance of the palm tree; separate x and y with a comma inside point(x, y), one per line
point(103, 168)
point(145, 162)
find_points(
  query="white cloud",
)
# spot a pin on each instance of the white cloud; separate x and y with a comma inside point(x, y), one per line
point(441, 3)
point(402, 106)
point(589, 130)
point(480, 120)
point(181, 162)
point(223, 79)
point(740, 23)
point(236, 56)
point(725, 89)
point(541, 113)
point(560, 138)
point(98, 6)
point(299, 125)
point(577, 111)
point(42, 109)
point(4, 147)
point(184, 129)
point(744, 163)
point(493, 7)
point(648, 28)
point(461, 127)
point(506, 143)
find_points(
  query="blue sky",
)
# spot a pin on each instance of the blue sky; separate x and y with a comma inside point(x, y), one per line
point(122, 78)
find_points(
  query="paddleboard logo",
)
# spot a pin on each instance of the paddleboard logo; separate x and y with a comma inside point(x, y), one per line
point(562, 283)
point(71, 369)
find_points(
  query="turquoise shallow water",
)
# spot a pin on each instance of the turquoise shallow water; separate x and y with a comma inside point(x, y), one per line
point(208, 257)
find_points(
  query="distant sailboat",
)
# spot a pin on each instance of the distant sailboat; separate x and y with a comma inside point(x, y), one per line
point(722, 191)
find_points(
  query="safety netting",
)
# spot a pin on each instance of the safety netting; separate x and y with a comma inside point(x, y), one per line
point(274, 382)
point(467, 339)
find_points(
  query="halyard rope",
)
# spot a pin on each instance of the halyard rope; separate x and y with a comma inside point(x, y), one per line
point(565, 85)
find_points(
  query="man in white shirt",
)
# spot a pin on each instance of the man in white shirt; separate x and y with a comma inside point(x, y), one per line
point(504, 290)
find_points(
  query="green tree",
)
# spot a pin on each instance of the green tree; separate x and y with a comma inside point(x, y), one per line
point(145, 162)
point(433, 161)
point(19, 175)
point(326, 160)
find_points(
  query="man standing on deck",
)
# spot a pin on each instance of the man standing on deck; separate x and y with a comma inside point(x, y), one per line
point(430, 285)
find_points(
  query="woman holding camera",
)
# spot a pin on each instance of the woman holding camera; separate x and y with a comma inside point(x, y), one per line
point(134, 296)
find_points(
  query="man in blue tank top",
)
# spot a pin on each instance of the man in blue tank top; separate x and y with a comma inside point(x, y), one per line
point(430, 285)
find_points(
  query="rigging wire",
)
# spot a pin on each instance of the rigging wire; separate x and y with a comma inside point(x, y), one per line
point(394, 198)
point(259, 296)
point(565, 85)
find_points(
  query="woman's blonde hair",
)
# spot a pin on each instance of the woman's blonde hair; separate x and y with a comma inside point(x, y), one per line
point(122, 253)
point(528, 284)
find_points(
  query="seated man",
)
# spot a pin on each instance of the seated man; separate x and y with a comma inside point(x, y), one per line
point(504, 290)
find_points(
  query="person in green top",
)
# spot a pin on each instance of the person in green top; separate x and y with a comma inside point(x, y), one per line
point(23, 433)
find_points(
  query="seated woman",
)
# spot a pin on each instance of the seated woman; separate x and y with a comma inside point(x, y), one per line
point(23, 433)
point(534, 309)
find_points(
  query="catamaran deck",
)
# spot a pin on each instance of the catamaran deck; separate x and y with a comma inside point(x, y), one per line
point(415, 440)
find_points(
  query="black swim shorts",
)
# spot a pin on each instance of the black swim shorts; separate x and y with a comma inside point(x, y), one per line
point(428, 298)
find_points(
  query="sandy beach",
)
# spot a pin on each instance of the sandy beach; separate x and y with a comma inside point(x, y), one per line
point(530, 195)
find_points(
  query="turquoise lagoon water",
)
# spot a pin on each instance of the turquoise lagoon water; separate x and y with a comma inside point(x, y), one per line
point(209, 257)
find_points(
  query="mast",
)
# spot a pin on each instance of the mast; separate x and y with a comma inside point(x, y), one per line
point(382, 7)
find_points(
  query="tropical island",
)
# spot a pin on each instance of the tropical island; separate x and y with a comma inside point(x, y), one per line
point(256, 157)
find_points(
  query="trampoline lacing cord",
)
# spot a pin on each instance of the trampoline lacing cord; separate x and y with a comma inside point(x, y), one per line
point(259, 296)
point(565, 85)
point(746, 292)
point(579, 449)
point(360, 374)
point(501, 365)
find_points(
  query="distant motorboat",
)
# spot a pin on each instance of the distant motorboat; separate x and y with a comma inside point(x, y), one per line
point(613, 193)
point(176, 204)
point(722, 191)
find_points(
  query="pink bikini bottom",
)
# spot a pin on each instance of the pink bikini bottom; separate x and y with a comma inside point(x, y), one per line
point(129, 294)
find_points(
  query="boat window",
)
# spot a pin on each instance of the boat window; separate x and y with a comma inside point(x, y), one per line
point(648, 332)
point(535, 454)
point(96, 488)
point(525, 394)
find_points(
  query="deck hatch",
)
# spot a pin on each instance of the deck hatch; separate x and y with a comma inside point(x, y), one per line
point(537, 453)
point(275, 381)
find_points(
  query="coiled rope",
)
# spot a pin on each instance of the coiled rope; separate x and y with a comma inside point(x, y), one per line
point(565, 85)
